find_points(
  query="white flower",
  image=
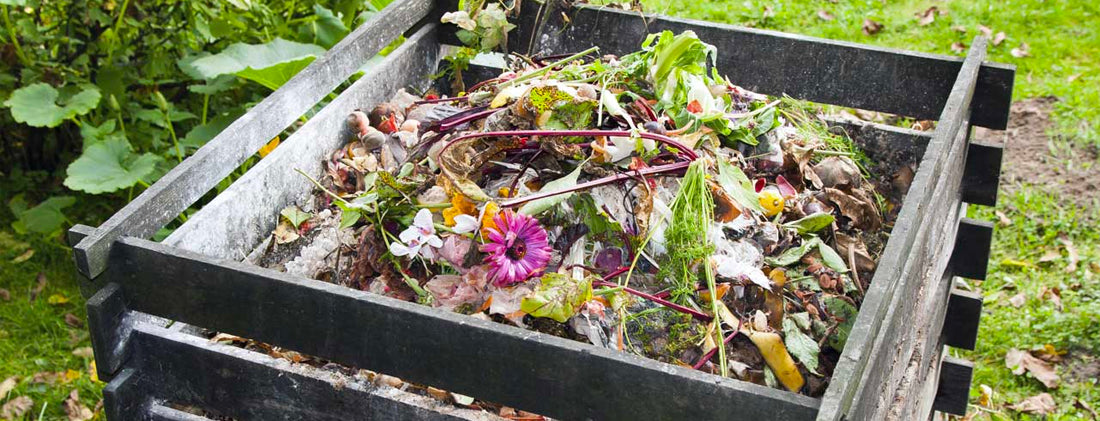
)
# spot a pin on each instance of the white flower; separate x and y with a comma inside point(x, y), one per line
point(416, 236)
point(465, 223)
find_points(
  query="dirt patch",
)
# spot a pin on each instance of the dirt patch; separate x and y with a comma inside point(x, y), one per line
point(1083, 367)
point(1033, 157)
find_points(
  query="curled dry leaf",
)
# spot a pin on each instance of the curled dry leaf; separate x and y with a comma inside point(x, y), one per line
point(959, 28)
point(985, 30)
point(857, 207)
point(999, 38)
point(73, 321)
point(1020, 361)
point(15, 408)
point(926, 17)
point(958, 48)
point(1002, 219)
point(871, 27)
point(1041, 404)
point(1018, 300)
point(76, 410)
point(838, 172)
point(1022, 51)
point(7, 385)
point(825, 15)
point(1071, 254)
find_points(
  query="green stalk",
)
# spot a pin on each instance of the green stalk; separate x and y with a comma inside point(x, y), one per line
point(205, 107)
point(539, 72)
point(14, 39)
point(172, 132)
point(118, 23)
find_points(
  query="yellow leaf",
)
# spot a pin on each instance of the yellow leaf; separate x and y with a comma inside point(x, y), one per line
point(776, 356)
point(270, 146)
point(71, 375)
point(57, 299)
point(93, 373)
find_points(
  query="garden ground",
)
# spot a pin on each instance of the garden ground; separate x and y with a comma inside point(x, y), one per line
point(1041, 294)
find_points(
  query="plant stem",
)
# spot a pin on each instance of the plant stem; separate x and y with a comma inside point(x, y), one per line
point(542, 70)
point(710, 354)
point(118, 23)
point(438, 100)
point(318, 184)
point(172, 132)
point(660, 169)
point(703, 317)
point(205, 105)
point(14, 39)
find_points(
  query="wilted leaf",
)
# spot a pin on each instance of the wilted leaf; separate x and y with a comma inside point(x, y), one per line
point(558, 297)
point(778, 359)
point(793, 254)
point(926, 17)
point(1071, 254)
point(958, 48)
point(871, 27)
point(271, 64)
point(109, 166)
point(801, 345)
point(76, 410)
point(811, 223)
point(295, 216)
point(1041, 404)
point(285, 233)
point(999, 38)
point(1022, 51)
point(825, 15)
point(737, 186)
point(845, 315)
point(26, 255)
point(15, 408)
point(985, 30)
point(5, 295)
point(1018, 300)
point(1020, 361)
point(536, 207)
point(7, 386)
point(36, 105)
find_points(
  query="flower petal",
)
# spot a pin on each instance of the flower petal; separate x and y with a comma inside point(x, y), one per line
point(465, 223)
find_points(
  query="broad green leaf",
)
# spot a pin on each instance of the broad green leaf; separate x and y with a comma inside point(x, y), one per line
point(831, 258)
point(19, 3)
point(793, 254)
point(36, 105)
point(811, 223)
point(219, 84)
point(802, 346)
point(46, 218)
point(349, 217)
point(845, 313)
point(536, 207)
point(558, 297)
point(93, 134)
point(328, 29)
point(295, 216)
point(108, 166)
point(202, 133)
point(737, 185)
point(271, 64)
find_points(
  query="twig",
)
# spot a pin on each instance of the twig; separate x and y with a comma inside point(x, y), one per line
point(710, 354)
point(855, 270)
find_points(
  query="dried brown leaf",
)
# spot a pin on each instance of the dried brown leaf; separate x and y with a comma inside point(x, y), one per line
point(1085, 405)
point(7, 386)
point(5, 294)
point(958, 48)
point(1022, 51)
point(959, 28)
point(769, 12)
point(16, 407)
point(1041, 404)
point(1018, 300)
point(1071, 254)
point(285, 233)
point(41, 285)
point(825, 15)
point(926, 17)
point(985, 30)
point(1054, 295)
point(76, 410)
point(1002, 219)
point(46, 377)
point(72, 320)
point(1020, 361)
point(871, 27)
point(999, 38)
point(1050, 256)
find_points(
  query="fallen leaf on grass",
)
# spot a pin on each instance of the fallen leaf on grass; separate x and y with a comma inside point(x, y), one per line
point(1041, 404)
point(1002, 219)
point(7, 385)
point(1048, 353)
point(1018, 300)
point(57, 299)
point(1050, 256)
point(1020, 361)
point(23, 257)
point(999, 38)
point(46, 377)
point(1071, 252)
point(285, 233)
point(5, 294)
point(958, 48)
point(871, 27)
point(985, 30)
point(40, 286)
point(959, 28)
point(769, 12)
point(72, 320)
point(1022, 51)
point(84, 352)
point(1054, 295)
point(824, 15)
point(1073, 78)
point(76, 410)
point(16, 407)
point(986, 397)
point(927, 16)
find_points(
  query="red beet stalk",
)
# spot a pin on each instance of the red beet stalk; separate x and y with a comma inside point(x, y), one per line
point(659, 169)
point(710, 354)
point(703, 317)
point(529, 133)
point(438, 100)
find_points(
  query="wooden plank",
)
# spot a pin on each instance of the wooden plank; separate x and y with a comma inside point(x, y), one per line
point(557, 377)
point(964, 314)
point(863, 368)
point(187, 182)
point(820, 70)
point(122, 397)
point(954, 386)
point(971, 256)
point(982, 178)
point(232, 224)
point(158, 412)
point(191, 371)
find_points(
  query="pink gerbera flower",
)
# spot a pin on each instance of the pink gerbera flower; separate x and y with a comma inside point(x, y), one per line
point(517, 249)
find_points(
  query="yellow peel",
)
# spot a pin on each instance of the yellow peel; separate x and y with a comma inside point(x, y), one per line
point(775, 354)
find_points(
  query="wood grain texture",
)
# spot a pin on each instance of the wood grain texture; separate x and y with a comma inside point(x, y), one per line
point(820, 70)
point(879, 359)
point(240, 217)
point(964, 314)
point(195, 176)
point(520, 368)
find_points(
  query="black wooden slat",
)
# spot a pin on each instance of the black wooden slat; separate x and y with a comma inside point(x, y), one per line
point(123, 398)
point(954, 386)
point(232, 224)
point(964, 313)
point(864, 373)
point(982, 178)
point(516, 367)
point(191, 179)
point(971, 256)
point(832, 72)
point(193, 372)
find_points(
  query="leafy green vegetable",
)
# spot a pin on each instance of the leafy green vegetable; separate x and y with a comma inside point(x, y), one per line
point(558, 297)
point(737, 185)
point(812, 223)
point(844, 312)
point(831, 258)
point(108, 166)
point(538, 206)
point(793, 254)
point(36, 105)
point(801, 346)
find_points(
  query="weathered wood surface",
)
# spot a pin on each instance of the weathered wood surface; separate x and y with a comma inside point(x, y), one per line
point(190, 180)
point(820, 70)
point(236, 221)
point(881, 361)
point(513, 366)
point(954, 386)
point(191, 371)
point(964, 313)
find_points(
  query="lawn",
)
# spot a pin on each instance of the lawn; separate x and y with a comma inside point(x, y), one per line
point(1039, 233)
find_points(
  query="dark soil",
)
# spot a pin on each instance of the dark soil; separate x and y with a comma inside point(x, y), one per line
point(1033, 157)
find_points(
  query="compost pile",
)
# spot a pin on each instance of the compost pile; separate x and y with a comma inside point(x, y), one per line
point(640, 203)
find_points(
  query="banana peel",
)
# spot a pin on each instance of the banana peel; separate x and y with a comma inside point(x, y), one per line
point(776, 356)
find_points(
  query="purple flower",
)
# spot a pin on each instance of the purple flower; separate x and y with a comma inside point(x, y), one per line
point(517, 249)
